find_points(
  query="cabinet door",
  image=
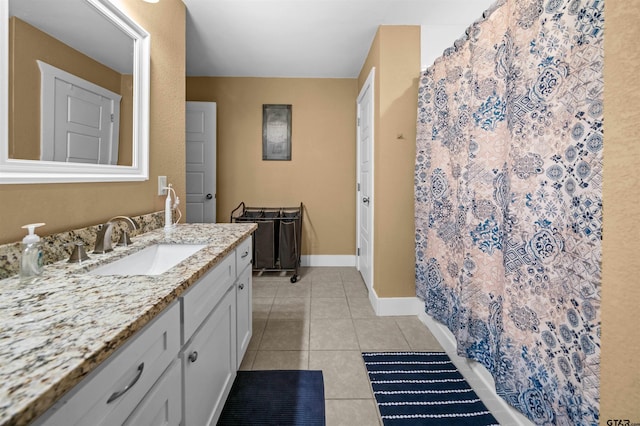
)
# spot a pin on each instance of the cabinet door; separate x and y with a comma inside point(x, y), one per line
point(209, 364)
point(163, 404)
point(201, 298)
point(244, 313)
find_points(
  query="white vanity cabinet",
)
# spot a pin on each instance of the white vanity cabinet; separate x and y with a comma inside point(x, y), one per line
point(198, 302)
point(209, 351)
point(244, 288)
point(178, 370)
point(212, 354)
point(111, 393)
point(209, 364)
point(163, 404)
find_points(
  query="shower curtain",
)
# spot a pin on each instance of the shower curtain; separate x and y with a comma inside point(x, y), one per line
point(508, 202)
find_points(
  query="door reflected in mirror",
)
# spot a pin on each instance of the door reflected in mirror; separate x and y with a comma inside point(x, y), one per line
point(56, 118)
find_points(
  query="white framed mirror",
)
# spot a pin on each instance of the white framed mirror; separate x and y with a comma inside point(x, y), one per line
point(97, 42)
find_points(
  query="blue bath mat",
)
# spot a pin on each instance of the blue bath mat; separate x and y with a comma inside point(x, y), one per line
point(418, 388)
point(275, 397)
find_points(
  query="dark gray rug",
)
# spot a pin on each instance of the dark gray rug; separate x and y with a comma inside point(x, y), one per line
point(275, 397)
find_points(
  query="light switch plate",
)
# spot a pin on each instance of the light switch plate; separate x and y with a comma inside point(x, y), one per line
point(162, 183)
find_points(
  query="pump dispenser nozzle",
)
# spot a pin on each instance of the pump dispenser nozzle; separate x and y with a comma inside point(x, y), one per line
point(31, 237)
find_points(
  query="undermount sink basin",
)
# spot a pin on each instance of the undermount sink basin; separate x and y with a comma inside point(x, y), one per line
point(153, 260)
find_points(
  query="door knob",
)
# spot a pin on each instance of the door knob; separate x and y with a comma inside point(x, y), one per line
point(193, 356)
point(365, 200)
point(209, 196)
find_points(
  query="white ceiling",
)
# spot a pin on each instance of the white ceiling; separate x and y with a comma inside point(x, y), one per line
point(81, 26)
point(304, 38)
point(266, 38)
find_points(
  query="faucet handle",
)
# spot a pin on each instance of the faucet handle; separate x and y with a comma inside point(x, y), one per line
point(124, 236)
point(79, 254)
point(124, 239)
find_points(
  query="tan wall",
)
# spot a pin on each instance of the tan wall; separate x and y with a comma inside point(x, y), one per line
point(64, 206)
point(620, 375)
point(395, 53)
point(620, 380)
point(68, 206)
point(27, 45)
point(322, 170)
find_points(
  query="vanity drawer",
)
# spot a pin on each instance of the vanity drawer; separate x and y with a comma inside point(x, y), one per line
point(203, 296)
point(112, 392)
point(163, 404)
point(244, 255)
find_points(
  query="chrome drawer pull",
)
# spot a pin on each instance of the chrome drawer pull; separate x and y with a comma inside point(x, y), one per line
point(118, 394)
point(245, 254)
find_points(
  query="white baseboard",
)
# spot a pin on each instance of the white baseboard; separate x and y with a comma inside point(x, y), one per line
point(476, 374)
point(394, 306)
point(328, 260)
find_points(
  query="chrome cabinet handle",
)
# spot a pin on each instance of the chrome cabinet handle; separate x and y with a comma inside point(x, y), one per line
point(241, 286)
point(365, 200)
point(245, 254)
point(193, 356)
point(119, 393)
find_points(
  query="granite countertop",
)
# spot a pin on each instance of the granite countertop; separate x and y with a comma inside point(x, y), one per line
point(57, 330)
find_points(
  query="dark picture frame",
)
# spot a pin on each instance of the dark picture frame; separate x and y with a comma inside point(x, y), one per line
point(276, 132)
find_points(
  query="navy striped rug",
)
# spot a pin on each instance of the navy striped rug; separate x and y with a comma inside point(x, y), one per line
point(417, 388)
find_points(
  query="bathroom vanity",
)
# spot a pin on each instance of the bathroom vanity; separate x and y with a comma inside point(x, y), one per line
point(85, 348)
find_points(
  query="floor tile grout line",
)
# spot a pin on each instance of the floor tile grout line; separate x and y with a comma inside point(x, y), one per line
point(308, 318)
point(404, 335)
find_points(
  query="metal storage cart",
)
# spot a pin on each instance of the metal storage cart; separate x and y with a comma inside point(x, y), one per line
point(277, 241)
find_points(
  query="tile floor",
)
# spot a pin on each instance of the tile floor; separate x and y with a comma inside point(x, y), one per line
point(324, 322)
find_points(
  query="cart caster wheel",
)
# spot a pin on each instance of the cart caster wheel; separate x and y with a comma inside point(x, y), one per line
point(294, 278)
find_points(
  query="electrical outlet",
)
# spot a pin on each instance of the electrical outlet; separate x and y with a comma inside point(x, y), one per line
point(162, 184)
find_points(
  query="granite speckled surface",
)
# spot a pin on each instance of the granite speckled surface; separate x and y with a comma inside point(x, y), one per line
point(55, 331)
point(58, 246)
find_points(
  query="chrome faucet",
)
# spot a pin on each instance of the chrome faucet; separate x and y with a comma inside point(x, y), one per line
point(103, 239)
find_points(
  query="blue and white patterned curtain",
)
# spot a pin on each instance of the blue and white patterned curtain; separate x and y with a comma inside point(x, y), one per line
point(508, 192)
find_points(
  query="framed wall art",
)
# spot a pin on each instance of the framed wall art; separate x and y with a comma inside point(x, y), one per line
point(276, 132)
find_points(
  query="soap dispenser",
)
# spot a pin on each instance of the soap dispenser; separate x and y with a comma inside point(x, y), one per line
point(32, 260)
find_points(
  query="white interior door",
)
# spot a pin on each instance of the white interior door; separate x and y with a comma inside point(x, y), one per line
point(201, 162)
point(365, 181)
point(84, 127)
point(80, 120)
